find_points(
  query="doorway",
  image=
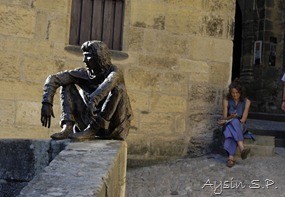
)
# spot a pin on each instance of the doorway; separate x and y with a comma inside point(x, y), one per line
point(237, 43)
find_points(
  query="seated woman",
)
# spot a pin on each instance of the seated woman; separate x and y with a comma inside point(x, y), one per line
point(235, 112)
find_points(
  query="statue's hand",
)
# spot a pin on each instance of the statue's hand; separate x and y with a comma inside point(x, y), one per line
point(91, 108)
point(46, 114)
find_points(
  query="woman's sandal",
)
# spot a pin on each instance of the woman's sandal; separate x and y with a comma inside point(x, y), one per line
point(244, 153)
point(231, 163)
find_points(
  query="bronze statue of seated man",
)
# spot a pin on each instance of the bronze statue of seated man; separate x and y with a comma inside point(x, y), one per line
point(94, 100)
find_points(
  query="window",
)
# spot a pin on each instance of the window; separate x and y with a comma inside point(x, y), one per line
point(97, 20)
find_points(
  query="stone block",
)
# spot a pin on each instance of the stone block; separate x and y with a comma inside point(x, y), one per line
point(187, 4)
point(258, 151)
point(94, 168)
point(148, 14)
point(38, 69)
point(41, 25)
point(180, 124)
point(157, 128)
point(163, 118)
point(134, 38)
point(57, 29)
point(220, 73)
point(167, 103)
point(161, 123)
point(174, 82)
point(150, 40)
point(56, 5)
point(61, 53)
point(17, 21)
point(9, 66)
point(141, 79)
point(261, 141)
point(157, 62)
point(137, 144)
point(7, 112)
point(17, 2)
point(199, 78)
point(218, 50)
point(22, 159)
point(221, 6)
point(214, 25)
point(167, 146)
point(14, 131)
point(28, 113)
point(171, 45)
point(29, 47)
point(183, 21)
point(139, 100)
point(17, 90)
point(187, 65)
point(200, 146)
point(202, 92)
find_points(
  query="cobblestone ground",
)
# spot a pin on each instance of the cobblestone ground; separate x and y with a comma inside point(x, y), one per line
point(208, 176)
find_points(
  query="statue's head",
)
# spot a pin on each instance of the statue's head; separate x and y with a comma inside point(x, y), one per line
point(96, 57)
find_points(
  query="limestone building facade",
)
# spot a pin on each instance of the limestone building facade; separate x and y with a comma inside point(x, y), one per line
point(176, 57)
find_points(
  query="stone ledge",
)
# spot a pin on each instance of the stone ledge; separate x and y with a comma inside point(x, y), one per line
point(92, 168)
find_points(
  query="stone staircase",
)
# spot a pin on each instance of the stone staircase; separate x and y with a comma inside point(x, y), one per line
point(269, 130)
point(265, 124)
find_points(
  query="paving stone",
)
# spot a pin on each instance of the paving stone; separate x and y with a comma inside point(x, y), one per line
point(201, 176)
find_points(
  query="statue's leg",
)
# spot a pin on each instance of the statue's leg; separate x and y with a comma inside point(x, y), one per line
point(73, 110)
point(111, 115)
point(113, 111)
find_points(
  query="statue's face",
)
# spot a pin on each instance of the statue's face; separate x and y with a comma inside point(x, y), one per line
point(92, 64)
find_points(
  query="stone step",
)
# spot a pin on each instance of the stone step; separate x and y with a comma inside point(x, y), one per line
point(261, 141)
point(266, 116)
point(263, 146)
point(268, 128)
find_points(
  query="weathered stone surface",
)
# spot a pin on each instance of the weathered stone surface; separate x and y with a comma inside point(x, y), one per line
point(215, 49)
point(9, 66)
point(57, 5)
point(21, 160)
point(93, 168)
point(139, 100)
point(7, 113)
point(166, 103)
point(17, 21)
point(153, 18)
point(168, 146)
point(134, 38)
point(35, 70)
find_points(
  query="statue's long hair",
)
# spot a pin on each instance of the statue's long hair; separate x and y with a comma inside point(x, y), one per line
point(100, 51)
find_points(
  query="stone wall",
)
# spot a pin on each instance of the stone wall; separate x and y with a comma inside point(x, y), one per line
point(177, 66)
point(21, 160)
point(91, 168)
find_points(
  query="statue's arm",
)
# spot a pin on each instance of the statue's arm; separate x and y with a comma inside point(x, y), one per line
point(106, 86)
point(55, 81)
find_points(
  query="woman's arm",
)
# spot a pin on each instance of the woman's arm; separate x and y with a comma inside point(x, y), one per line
point(225, 108)
point(225, 112)
point(245, 112)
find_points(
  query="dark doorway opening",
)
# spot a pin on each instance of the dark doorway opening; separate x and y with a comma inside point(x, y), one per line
point(236, 64)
